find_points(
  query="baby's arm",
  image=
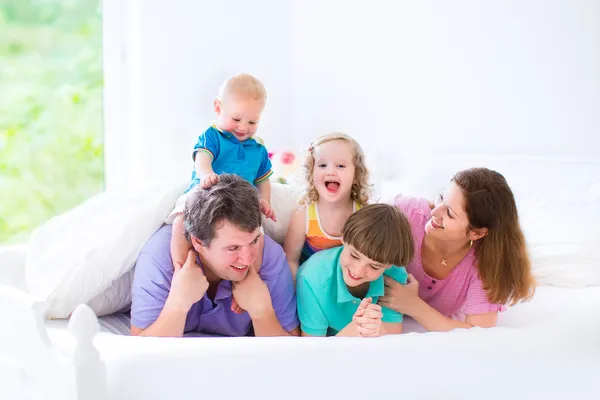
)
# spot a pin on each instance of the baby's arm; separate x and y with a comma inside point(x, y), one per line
point(264, 190)
point(203, 165)
point(294, 239)
point(179, 244)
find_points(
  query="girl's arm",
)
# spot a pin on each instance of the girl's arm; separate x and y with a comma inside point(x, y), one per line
point(294, 239)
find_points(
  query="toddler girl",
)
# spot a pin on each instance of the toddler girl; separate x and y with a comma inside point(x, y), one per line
point(337, 186)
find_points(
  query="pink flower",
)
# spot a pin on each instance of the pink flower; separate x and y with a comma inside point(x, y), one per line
point(287, 158)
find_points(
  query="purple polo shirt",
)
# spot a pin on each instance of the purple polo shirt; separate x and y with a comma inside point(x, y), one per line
point(152, 282)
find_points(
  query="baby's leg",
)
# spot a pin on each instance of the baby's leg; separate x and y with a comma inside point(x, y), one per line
point(179, 244)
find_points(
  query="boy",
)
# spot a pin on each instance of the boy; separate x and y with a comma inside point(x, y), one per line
point(338, 288)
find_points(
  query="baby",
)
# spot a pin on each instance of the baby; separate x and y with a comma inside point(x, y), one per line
point(229, 146)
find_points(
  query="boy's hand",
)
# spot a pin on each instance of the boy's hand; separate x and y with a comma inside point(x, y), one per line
point(209, 180)
point(265, 208)
point(368, 318)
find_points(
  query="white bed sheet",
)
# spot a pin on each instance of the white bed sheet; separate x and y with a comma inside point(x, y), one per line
point(547, 348)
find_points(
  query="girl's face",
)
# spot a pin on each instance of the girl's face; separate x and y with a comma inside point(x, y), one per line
point(333, 171)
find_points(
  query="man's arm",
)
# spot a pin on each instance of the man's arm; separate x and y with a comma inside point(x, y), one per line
point(272, 308)
point(154, 293)
point(268, 325)
point(170, 323)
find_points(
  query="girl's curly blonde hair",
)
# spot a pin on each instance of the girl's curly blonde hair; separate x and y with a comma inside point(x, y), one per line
point(361, 190)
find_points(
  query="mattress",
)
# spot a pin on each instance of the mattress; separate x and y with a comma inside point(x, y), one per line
point(549, 347)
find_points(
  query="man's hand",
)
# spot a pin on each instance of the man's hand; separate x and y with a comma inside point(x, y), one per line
point(209, 180)
point(265, 208)
point(252, 294)
point(189, 284)
point(368, 318)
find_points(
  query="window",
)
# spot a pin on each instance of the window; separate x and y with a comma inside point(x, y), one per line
point(51, 140)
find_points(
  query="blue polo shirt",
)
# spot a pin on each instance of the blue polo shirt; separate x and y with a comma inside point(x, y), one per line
point(248, 159)
point(325, 306)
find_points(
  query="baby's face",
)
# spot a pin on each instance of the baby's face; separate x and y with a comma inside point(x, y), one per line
point(239, 116)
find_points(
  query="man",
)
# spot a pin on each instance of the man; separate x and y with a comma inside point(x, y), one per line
point(231, 259)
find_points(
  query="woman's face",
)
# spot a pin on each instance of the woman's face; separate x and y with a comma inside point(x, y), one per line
point(449, 221)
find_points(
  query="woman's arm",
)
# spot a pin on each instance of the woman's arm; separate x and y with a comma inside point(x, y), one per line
point(432, 320)
point(294, 239)
point(405, 299)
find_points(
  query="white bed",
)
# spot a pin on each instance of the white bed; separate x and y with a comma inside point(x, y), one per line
point(547, 348)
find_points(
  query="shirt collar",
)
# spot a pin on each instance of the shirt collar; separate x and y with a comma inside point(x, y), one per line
point(231, 137)
point(376, 288)
point(223, 290)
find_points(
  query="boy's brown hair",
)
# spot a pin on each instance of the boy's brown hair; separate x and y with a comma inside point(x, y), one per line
point(382, 233)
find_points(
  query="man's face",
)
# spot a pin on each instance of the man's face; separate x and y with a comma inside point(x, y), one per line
point(231, 252)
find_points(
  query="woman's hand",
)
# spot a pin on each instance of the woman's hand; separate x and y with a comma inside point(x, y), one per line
point(401, 298)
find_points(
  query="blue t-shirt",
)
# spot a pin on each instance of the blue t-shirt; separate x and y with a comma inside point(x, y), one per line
point(248, 159)
point(325, 306)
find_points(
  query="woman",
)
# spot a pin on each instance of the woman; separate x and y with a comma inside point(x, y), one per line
point(470, 255)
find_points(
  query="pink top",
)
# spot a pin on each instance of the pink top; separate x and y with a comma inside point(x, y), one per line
point(461, 292)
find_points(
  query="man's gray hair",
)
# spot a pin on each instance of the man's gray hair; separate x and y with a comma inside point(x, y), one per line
point(232, 199)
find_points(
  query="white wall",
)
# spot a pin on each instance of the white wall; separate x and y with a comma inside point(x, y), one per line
point(404, 77)
point(173, 57)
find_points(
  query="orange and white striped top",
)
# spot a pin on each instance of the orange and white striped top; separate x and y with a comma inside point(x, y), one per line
point(316, 237)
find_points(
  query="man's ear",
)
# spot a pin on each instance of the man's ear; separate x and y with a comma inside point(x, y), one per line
point(217, 105)
point(197, 244)
point(476, 234)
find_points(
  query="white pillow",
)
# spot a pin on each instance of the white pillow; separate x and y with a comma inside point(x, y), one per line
point(284, 201)
point(75, 257)
point(563, 236)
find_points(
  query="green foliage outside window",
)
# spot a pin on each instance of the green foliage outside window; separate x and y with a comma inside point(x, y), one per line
point(51, 133)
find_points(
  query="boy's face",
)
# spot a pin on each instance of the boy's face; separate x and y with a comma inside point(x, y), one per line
point(357, 268)
point(239, 116)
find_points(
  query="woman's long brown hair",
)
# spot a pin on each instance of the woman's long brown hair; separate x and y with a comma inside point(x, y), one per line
point(502, 258)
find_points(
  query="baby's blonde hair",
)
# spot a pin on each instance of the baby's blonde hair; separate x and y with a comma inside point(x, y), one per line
point(361, 190)
point(244, 85)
